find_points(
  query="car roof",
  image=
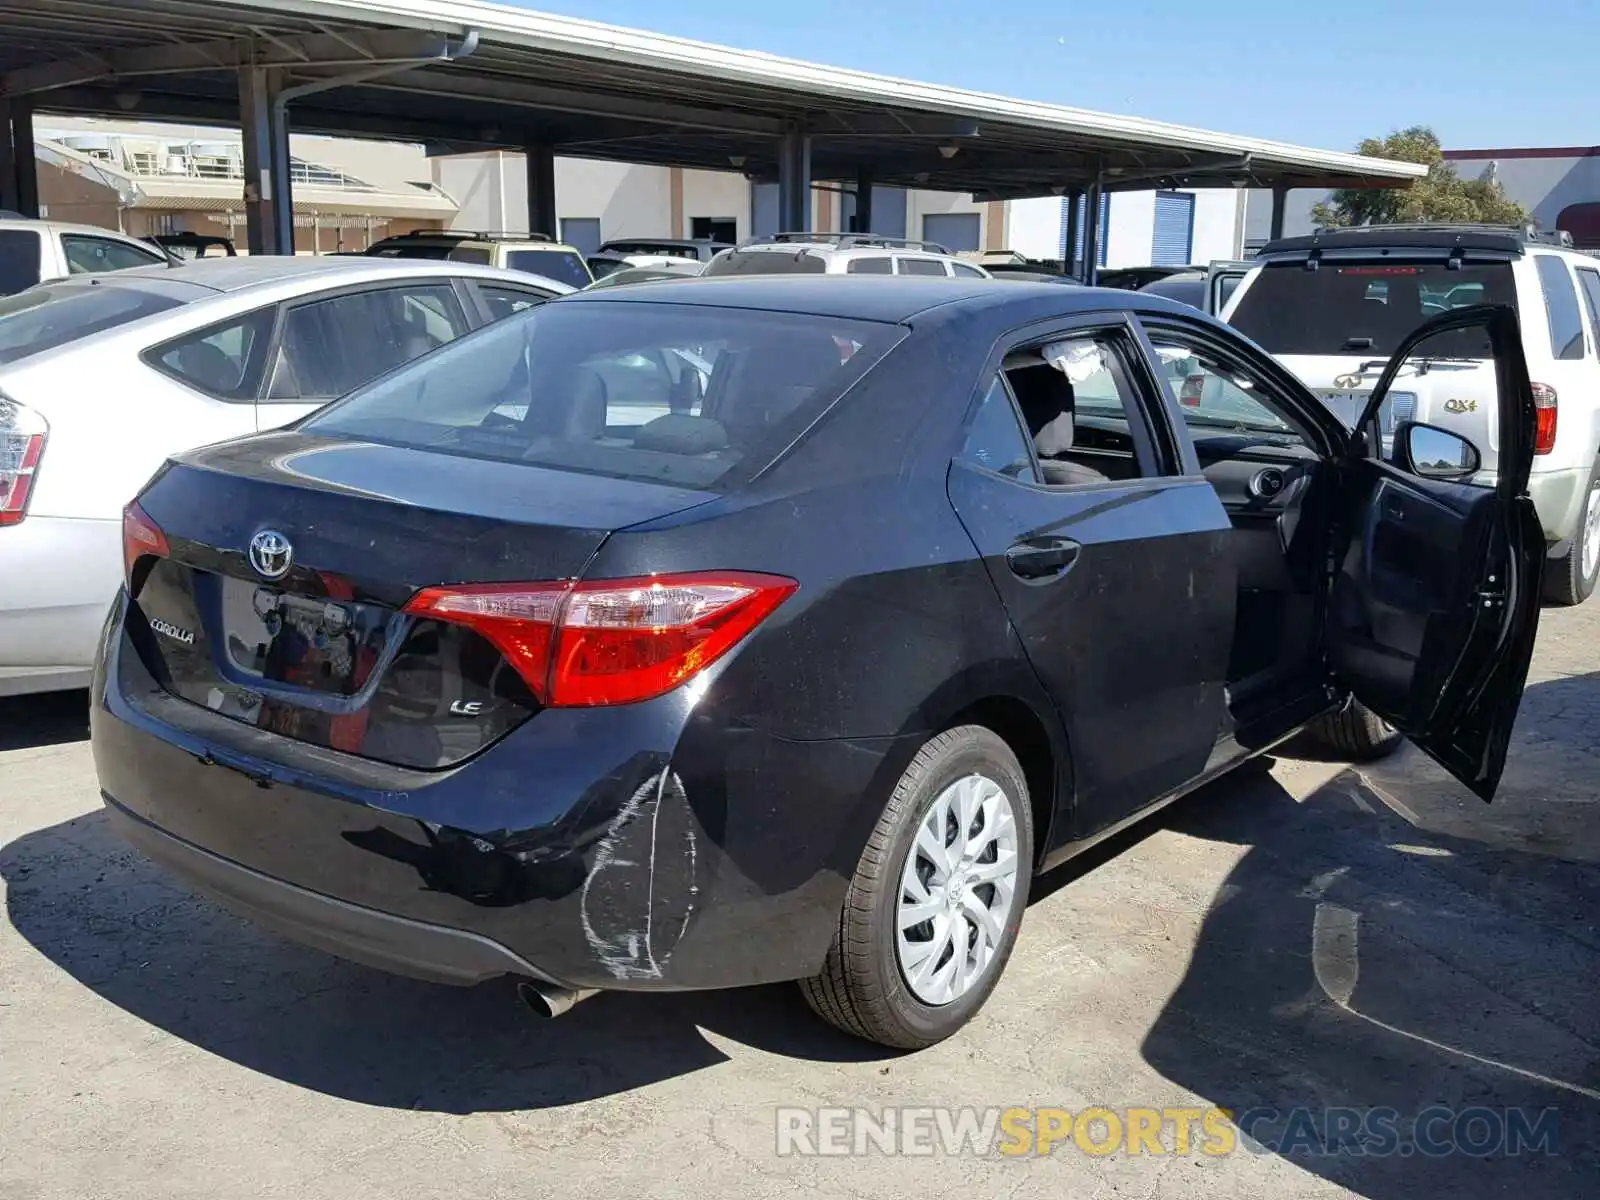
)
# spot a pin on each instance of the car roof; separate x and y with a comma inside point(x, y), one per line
point(250, 271)
point(662, 241)
point(887, 298)
point(7, 220)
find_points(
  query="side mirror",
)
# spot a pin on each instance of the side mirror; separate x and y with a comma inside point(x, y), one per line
point(1433, 453)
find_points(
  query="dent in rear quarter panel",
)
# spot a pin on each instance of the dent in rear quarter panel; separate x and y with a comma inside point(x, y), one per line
point(802, 732)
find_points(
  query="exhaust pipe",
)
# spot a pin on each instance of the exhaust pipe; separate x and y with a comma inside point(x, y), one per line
point(550, 1000)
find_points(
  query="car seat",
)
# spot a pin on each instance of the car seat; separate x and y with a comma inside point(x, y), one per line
point(1046, 399)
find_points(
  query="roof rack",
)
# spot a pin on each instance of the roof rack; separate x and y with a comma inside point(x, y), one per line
point(1528, 233)
point(475, 235)
point(848, 241)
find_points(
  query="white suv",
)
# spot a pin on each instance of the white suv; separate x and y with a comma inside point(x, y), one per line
point(840, 254)
point(1333, 305)
point(34, 251)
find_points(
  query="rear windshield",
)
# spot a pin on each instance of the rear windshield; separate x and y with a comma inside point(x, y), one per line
point(678, 393)
point(434, 252)
point(21, 253)
point(561, 265)
point(1367, 307)
point(766, 262)
point(663, 249)
point(45, 317)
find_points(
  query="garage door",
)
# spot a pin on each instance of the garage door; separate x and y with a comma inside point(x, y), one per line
point(1172, 240)
point(1105, 227)
point(954, 231)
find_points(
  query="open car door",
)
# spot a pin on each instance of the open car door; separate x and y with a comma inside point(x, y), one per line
point(1435, 593)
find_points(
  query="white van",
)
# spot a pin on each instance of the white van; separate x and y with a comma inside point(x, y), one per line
point(1333, 305)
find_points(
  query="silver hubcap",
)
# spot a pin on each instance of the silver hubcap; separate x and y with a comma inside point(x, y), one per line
point(1591, 533)
point(956, 890)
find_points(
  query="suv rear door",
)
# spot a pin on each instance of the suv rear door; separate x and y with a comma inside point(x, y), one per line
point(1435, 591)
point(1222, 279)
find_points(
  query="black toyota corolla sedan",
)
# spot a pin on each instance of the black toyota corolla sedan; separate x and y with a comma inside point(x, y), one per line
point(720, 632)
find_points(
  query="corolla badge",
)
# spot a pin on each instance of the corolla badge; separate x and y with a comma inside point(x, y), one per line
point(271, 554)
point(1454, 405)
point(1347, 381)
point(167, 629)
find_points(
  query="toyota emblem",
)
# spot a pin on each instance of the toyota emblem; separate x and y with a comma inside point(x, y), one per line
point(271, 554)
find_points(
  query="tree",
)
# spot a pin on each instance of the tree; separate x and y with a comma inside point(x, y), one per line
point(1442, 195)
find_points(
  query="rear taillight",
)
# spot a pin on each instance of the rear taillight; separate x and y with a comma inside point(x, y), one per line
point(141, 537)
point(1544, 403)
point(612, 641)
point(1193, 387)
point(22, 437)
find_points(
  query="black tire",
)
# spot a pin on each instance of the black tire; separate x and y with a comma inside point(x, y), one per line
point(1355, 733)
point(861, 988)
point(1565, 582)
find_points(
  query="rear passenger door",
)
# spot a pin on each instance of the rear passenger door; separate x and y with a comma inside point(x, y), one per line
point(331, 345)
point(1109, 562)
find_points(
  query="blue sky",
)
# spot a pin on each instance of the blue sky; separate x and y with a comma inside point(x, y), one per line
point(1483, 74)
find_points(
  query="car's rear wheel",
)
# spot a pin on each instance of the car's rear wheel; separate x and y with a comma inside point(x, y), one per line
point(933, 911)
point(1355, 733)
point(1571, 578)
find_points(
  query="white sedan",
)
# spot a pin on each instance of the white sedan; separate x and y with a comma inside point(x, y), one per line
point(102, 377)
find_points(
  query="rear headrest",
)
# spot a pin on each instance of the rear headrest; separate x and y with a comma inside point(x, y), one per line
point(679, 433)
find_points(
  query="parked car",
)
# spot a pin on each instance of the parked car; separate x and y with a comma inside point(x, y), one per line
point(194, 245)
point(32, 252)
point(1133, 278)
point(910, 592)
point(601, 265)
point(530, 252)
point(101, 379)
point(1333, 305)
point(1205, 288)
point(840, 254)
point(678, 269)
point(649, 251)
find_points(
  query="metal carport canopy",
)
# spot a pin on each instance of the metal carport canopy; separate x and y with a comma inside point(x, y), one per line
point(598, 91)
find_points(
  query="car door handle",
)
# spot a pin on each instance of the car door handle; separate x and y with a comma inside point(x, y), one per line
point(1042, 558)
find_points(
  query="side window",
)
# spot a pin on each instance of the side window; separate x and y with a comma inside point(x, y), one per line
point(224, 361)
point(876, 265)
point(1589, 282)
point(21, 256)
point(1080, 407)
point(471, 254)
point(1217, 397)
point(330, 347)
point(921, 266)
point(503, 302)
point(88, 255)
point(1561, 306)
point(995, 440)
point(963, 271)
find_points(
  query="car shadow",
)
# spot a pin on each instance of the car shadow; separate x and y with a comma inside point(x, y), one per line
point(1390, 945)
point(46, 719)
point(123, 928)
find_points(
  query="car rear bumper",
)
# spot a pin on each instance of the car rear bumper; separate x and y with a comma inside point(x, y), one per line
point(379, 939)
point(629, 847)
point(59, 577)
point(1558, 497)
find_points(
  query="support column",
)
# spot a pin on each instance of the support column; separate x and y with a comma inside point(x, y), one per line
point(863, 200)
point(8, 163)
point(268, 194)
point(1280, 201)
point(1092, 233)
point(24, 160)
point(1069, 259)
point(542, 190)
point(794, 182)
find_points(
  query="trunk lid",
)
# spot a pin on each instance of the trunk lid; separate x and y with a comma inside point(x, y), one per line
point(322, 652)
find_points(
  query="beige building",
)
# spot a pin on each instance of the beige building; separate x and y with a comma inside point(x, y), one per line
point(147, 179)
